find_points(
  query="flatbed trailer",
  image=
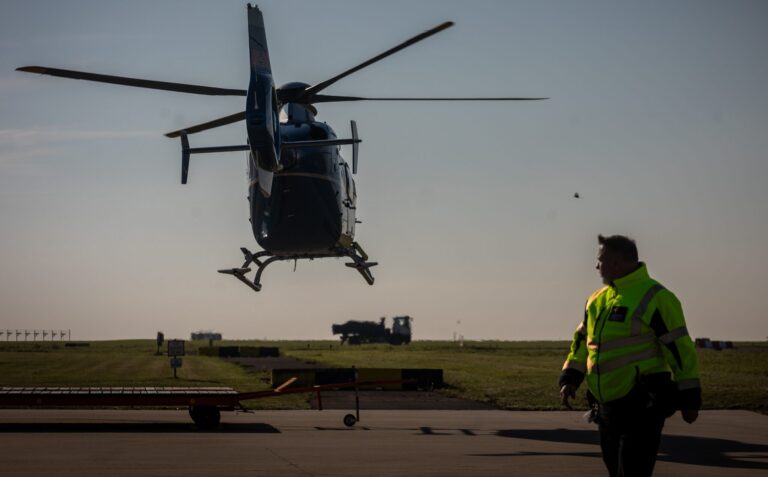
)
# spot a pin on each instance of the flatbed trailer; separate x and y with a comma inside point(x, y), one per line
point(205, 403)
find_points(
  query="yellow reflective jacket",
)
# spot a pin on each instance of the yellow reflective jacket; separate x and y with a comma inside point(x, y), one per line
point(633, 328)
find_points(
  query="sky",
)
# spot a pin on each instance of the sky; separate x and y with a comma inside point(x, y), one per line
point(657, 117)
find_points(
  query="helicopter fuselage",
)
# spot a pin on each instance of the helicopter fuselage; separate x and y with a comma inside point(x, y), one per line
point(309, 207)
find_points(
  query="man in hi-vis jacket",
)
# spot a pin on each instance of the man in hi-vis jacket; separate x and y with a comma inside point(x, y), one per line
point(640, 364)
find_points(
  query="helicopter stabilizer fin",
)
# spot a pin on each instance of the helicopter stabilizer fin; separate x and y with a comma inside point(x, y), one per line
point(186, 151)
point(320, 142)
point(184, 157)
point(355, 147)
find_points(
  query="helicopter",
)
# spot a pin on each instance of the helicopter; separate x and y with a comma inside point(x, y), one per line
point(301, 193)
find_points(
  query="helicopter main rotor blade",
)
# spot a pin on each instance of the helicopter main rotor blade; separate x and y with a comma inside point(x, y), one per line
point(232, 118)
point(307, 94)
point(323, 98)
point(137, 82)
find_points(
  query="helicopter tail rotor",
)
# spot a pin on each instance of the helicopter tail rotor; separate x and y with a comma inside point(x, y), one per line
point(186, 151)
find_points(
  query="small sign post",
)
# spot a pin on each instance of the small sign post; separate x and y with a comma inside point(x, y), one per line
point(175, 350)
point(175, 364)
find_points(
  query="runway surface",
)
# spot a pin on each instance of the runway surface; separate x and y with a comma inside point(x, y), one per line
point(385, 442)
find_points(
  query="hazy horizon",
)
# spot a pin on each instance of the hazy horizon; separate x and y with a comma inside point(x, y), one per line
point(657, 118)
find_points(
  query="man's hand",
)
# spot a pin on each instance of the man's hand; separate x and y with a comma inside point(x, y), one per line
point(568, 391)
point(689, 415)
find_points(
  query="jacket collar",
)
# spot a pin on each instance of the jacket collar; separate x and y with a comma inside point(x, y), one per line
point(640, 275)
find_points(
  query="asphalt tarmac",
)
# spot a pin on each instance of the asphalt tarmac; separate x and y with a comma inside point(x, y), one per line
point(385, 442)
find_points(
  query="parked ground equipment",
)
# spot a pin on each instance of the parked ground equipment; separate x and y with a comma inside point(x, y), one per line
point(359, 332)
point(205, 404)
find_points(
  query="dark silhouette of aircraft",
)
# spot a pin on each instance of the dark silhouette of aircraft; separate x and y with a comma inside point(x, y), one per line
point(302, 194)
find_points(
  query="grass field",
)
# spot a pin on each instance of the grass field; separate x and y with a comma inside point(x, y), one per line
point(508, 375)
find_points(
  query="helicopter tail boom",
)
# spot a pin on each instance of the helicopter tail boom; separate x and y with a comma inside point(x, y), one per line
point(320, 142)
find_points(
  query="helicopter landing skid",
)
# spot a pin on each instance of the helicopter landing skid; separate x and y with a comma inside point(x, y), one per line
point(356, 253)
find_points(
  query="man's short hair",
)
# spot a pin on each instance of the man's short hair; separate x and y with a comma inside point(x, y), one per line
point(620, 245)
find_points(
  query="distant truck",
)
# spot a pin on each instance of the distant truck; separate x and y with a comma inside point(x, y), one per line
point(205, 335)
point(359, 332)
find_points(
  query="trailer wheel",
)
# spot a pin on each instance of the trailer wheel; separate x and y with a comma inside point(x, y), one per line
point(205, 417)
point(350, 420)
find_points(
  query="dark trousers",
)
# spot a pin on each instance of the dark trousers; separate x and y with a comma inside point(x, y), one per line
point(630, 432)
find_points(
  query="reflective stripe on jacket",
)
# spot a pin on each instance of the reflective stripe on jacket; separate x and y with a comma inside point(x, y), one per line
point(632, 328)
